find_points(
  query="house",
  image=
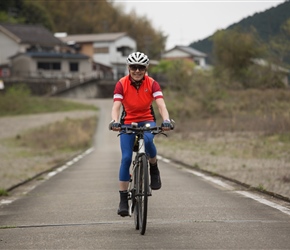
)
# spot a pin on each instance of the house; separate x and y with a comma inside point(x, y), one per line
point(33, 51)
point(106, 49)
point(186, 53)
point(50, 64)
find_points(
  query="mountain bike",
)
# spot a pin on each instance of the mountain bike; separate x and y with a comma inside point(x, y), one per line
point(139, 189)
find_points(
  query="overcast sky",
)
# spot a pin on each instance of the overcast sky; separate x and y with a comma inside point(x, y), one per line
point(189, 21)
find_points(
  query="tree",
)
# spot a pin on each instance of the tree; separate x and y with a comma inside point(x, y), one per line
point(178, 73)
point(9, 11)
point(280, 44)
point(33, 13)
point(92, 16)
point(239, 60)
point(234, 51)
point(25, 11)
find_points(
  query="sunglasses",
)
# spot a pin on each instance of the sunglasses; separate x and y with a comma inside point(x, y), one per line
point(135, 67)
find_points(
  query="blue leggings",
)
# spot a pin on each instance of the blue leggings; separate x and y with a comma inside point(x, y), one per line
point(127, 143)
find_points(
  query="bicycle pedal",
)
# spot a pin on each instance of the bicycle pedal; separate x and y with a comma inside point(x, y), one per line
point(149, 192)
point(130, 211)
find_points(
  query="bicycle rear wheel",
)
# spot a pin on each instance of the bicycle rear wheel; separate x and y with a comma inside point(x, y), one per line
point(142, 193)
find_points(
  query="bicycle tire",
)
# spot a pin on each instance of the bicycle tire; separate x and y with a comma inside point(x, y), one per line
point(142, 193)
point(136, 215)
point(132, 198)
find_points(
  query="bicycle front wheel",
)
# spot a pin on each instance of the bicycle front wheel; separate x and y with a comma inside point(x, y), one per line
point(142, 193)
point(135, 200)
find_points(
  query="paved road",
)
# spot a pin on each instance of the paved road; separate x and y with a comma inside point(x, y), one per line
point(76, 208)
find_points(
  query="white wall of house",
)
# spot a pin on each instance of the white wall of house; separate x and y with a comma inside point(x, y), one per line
point(117, 57)
point(26, 66)
point(176, 53)
point(114, 58)
point(200, 61)
point(22, 65)
point(8, 47)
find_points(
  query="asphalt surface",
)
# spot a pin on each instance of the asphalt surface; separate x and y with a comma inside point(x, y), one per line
point(75, 207)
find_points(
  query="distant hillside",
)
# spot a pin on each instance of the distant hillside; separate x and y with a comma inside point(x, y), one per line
point(266, 23)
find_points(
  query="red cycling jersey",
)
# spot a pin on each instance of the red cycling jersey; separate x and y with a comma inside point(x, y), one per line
point(137, 103)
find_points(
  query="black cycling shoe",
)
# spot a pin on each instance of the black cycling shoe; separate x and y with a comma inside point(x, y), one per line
point(123, 210)
point(123, 206)
point(155, 177)
point(155, 181)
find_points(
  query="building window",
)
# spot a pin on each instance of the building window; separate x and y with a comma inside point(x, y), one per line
point(124, 50)
point(101, 50)
point(74, 67)
point(48, 65)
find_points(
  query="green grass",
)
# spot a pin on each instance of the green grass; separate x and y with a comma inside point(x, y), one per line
point(243, 145)
point(3, 192)
point(65, 136)
point(48, 146)
point(55, 142)
point(7, 227)
point(243, 123)
point(19, 101)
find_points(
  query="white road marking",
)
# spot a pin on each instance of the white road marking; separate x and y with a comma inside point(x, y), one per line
point(69, 163)
point(163, 159)
point(5, 202)
point(264, 201)
point(211, 179)
point(244, 193)
point(50, 174)
point(12, 199)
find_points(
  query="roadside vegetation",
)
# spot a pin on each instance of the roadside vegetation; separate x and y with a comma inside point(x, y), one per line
point(257, 119)
point(233, 120)
point(19, 101)
point(70, 135)
point(227, 129)
point(238, 96)
point(48, 146)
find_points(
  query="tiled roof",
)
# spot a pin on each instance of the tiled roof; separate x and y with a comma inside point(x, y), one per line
point(190, 51)
point(82, 38)
point(30, 34)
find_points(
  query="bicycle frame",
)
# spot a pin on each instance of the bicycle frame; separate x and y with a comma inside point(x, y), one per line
point(139, 188)
point(135, 166)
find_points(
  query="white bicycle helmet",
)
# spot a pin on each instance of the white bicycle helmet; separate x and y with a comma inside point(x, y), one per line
point(138, 58)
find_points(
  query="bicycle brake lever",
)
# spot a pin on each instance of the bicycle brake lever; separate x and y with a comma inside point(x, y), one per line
point(125, 132)
point(158, 133)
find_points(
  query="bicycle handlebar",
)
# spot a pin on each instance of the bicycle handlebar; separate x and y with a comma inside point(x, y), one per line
point(134, 128)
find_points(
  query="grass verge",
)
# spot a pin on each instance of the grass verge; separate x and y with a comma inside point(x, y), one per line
point(18, 101)
point(40, 149)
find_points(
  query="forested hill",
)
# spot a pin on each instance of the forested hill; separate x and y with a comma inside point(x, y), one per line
point(267, 25)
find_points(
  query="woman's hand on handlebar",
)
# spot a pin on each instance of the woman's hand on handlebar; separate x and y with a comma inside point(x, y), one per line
point(115, 126)
point(167, 125)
